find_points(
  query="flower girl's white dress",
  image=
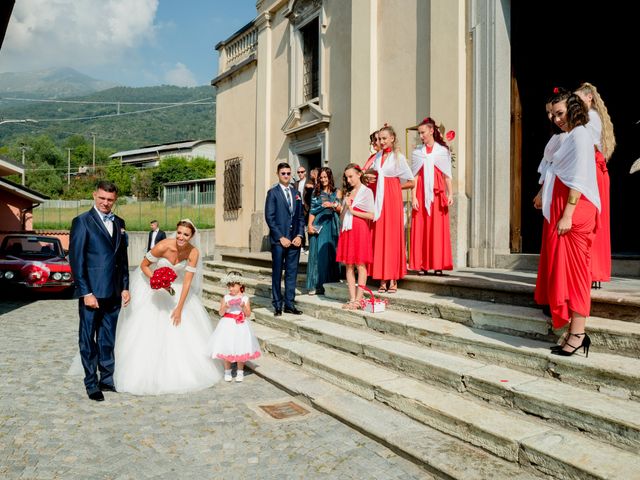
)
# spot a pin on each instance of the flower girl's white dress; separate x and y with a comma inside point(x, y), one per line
point(152, 355)
point(233, 339)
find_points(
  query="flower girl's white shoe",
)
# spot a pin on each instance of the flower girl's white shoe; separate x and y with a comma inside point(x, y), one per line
point(227, 376)
point(239, 375)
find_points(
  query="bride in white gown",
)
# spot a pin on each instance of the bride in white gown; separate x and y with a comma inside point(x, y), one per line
point(161, 338)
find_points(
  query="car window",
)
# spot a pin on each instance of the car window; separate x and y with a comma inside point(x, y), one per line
point(32, 246)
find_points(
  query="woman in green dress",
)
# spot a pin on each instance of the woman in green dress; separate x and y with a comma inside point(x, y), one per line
point(323, 229)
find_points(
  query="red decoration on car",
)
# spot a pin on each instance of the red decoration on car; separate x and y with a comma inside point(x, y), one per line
point(163, 277)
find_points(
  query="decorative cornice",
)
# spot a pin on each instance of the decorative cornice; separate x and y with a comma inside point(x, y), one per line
point(234, 70)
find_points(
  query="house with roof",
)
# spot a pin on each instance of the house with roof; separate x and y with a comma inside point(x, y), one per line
point(16, 201)
point(150, 156)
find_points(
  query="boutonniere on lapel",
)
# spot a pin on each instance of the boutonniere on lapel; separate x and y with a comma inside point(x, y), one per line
point(122, 231)
point(297, 197)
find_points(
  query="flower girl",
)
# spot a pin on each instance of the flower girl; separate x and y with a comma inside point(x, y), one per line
point(233, 340)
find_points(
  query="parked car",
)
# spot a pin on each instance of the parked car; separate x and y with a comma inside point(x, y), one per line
point(34, 262)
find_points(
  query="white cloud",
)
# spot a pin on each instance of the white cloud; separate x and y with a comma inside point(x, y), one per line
point(181, 76)
point(75, 33)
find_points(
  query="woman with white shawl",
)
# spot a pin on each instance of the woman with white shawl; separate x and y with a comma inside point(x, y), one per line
point(430, 245)
point(389, 249)
point(570, 205)
point(354, 243)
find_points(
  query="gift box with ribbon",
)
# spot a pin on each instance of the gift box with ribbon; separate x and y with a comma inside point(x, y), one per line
point(373, 304)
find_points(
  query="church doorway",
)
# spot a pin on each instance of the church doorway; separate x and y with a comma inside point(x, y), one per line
point(563, 44)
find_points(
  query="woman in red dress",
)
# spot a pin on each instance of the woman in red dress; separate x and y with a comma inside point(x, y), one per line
point(604, 141)
point(354, 243)
point(370, 178)
point(570, 204)
point(389, 250)
point(430, 246)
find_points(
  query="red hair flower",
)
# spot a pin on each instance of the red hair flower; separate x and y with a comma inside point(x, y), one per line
point(556, 90)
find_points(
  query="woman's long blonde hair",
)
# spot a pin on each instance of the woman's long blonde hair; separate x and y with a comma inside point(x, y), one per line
point(608, 139)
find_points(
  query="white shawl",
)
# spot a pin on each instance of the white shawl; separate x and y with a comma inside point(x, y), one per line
point(363, 200)
point(439, 157)
point(574, 164)
point(550, 148)
point(394, 166)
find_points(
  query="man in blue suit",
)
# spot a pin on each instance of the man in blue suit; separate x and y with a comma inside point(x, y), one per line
point(284, 214)
point(100, 266)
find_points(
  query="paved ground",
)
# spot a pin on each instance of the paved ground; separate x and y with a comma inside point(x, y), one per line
point(49, 429)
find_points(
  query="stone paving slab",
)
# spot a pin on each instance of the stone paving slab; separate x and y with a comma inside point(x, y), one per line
point(50, 430)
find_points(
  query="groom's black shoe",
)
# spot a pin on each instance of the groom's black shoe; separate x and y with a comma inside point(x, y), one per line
point(106, 388)
point(97, 396)
point(277, 313)
point(293, 310)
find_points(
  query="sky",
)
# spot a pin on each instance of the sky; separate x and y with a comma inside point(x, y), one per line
point(133, 43)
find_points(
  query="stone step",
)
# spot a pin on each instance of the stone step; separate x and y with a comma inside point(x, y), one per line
point(551, 449)
point(611, 336)
point(440, 454)
point(601, 415)
point(618, 299)
point(215, 271)
point(608, 336)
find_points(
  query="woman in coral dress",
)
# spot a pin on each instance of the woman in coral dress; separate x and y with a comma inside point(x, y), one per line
point(430, 246)
point(604, 141)
point(389, 250)
point(354, 243)
point(570, 204)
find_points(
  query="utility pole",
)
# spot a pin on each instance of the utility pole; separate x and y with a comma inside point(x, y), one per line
point(94, 152)
point(23, 148)
point(68, 166)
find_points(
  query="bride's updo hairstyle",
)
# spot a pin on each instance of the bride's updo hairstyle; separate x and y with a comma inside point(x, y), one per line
point(187, 223)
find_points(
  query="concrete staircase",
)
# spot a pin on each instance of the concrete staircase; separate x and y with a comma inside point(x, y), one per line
point(457, 375)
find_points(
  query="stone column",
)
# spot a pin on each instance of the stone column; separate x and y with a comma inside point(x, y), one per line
point(258, 228)
point(490, 132)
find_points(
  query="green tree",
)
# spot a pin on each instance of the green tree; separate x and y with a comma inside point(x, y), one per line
point(43, 178)
point(171, 169)
point(202, 167)
point(142, 183)
point(81, 188)
point(120, 175)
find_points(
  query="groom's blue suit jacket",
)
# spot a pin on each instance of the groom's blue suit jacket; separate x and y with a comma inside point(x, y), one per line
point(98, 260)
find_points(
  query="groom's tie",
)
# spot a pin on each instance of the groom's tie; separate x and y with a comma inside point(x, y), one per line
point(289, 202)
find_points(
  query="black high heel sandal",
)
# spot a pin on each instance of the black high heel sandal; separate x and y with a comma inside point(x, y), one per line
point(586, 343)
point(596, 285)
point(563, 342)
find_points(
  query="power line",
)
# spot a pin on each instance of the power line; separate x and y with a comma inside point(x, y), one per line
point(109, 115)
point(90, 102)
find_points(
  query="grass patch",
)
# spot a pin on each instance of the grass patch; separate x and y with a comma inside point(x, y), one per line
point(136, 215)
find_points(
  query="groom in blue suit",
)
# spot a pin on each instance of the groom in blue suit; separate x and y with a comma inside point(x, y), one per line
point(284, 214)
point(100, 266)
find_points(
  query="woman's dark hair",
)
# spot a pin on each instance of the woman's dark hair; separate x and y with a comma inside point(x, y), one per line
point(318, 187)
point(437, 136)
point(189, 225)
point(346, 188)
point(372, 137)
point(577, 112)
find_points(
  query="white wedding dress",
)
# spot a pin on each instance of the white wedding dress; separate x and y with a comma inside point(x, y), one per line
point(152, 355)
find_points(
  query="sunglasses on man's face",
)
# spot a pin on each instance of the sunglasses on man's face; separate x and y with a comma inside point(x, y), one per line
point(301, 171)
point(285, 174)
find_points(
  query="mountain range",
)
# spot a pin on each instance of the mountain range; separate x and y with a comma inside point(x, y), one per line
point(50, 83)
point(121, 118)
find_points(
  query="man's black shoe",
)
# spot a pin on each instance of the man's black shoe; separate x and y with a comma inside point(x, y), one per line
point(106, 388)
point(277, 313)
point(97, 396)
point(293, 310)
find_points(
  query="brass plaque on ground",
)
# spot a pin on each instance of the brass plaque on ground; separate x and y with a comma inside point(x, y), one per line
point(284, 410)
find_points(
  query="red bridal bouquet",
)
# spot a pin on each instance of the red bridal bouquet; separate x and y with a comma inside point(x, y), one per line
point(163, 277)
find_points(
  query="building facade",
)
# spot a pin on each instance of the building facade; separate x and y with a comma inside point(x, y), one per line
point(306, 81)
